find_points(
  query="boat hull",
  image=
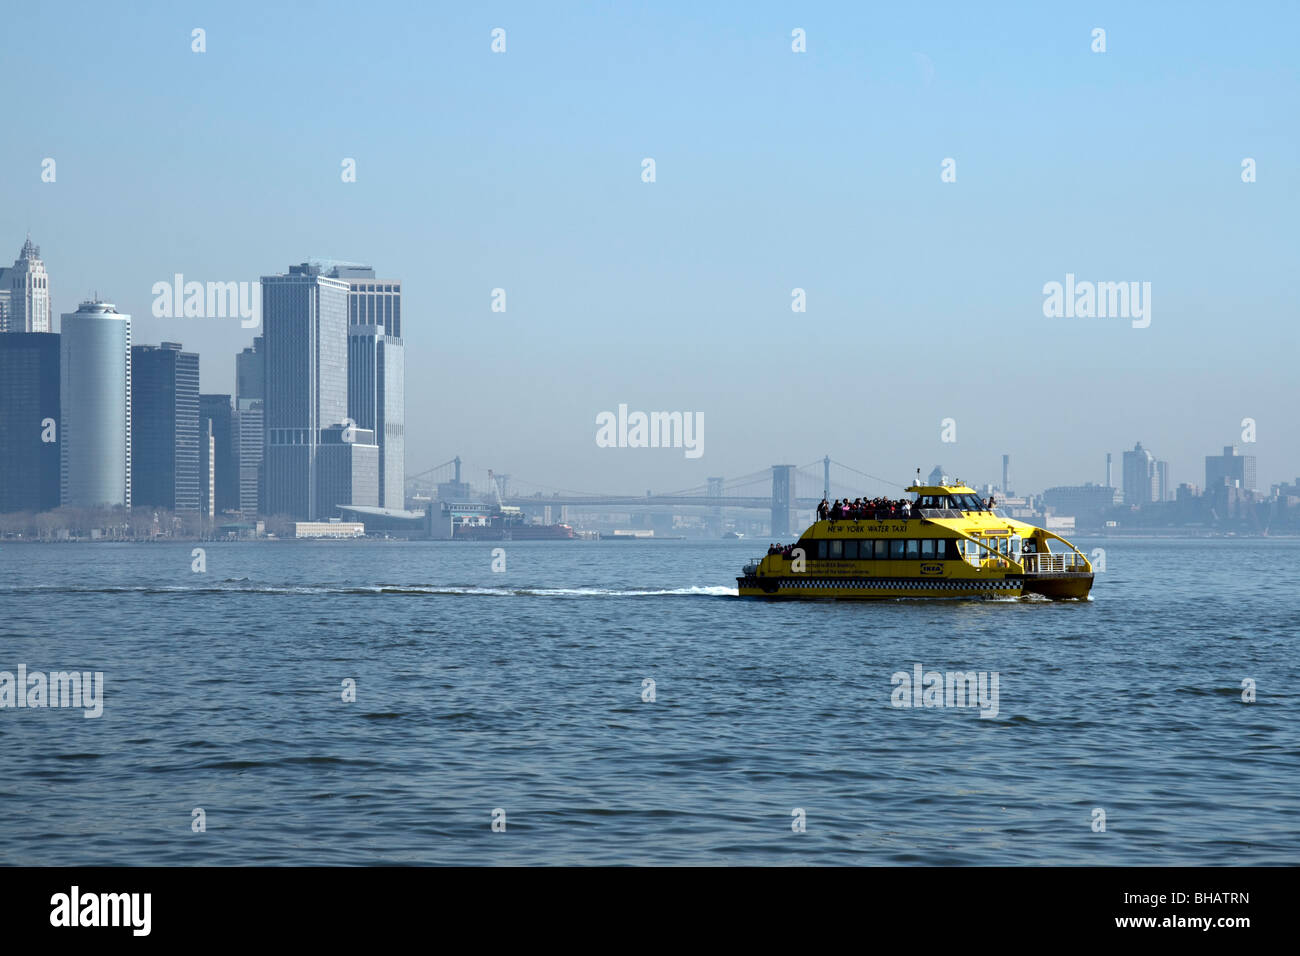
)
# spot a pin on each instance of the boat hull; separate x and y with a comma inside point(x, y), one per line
point(1059, 587)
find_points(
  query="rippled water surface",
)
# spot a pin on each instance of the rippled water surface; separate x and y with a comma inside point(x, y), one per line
point(522, 691)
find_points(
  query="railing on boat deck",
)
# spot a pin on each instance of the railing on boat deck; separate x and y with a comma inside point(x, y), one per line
point(1041, 563)
point(939, 513)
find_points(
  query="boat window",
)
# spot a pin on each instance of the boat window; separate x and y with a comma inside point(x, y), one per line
point(821, 549)
point(927, 549)
point(882, 549)
point(836, 548)
point(1003, 544)
point(913, 549)
point(851, 550)
point(896, 548)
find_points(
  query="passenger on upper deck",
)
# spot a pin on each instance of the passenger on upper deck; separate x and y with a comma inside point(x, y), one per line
point(823, 510)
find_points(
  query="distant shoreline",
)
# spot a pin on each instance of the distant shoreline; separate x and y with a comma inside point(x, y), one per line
point(376, 539)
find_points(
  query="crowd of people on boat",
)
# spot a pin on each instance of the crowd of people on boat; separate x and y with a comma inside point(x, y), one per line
point(785, 551)
point(873, 509)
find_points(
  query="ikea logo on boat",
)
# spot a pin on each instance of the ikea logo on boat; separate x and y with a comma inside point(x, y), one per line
point(653, 430)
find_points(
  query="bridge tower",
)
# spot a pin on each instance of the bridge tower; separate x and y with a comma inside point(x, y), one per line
point(714, 524)
point(783, 499)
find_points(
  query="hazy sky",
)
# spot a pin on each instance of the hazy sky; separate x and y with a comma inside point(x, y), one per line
point(774, 170)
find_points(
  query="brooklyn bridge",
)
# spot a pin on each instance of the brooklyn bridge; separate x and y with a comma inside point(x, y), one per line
point(783, 490)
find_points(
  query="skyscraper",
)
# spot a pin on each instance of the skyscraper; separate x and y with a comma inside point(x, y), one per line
point(207, 470)
point(217, 416)
point(376, 372)
point(250, 373)
point(29, 421)
point(1140, 486)
point(95, 406)
point(25, 306)
point(304, 316)
point(165, 427)
point(250, 394)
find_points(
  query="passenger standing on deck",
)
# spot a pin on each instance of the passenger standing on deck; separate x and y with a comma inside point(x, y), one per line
point(823, 510)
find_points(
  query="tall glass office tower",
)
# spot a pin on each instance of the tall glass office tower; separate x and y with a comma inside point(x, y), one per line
point(305, 319)
point(250, 395)
point(95, 406)
point(376, 372)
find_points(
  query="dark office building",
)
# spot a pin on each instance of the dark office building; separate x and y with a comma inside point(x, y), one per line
point(29, 421)
point(217, 416)
point(250, 372)
point(165, 427)
point(349, 469)
point(1238, 471)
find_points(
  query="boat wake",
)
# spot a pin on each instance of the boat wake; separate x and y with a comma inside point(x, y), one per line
point(243, 586)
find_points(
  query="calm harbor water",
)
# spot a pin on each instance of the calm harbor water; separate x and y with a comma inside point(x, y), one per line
point(522, 690)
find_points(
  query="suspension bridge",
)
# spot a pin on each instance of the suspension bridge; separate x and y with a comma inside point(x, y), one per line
point(775, 488)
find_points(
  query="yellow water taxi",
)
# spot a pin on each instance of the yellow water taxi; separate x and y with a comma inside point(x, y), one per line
point(946, 543)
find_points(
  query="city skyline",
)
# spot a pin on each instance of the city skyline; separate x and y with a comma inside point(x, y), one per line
point(824, 173)
point(363, 328)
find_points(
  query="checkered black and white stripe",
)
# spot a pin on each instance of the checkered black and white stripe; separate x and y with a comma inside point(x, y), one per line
point(898, 584)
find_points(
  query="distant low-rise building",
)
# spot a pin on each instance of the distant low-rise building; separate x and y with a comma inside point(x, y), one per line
point(1087, 504)
point(328, 529)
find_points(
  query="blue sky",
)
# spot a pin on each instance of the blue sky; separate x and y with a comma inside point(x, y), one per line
point(774, 170)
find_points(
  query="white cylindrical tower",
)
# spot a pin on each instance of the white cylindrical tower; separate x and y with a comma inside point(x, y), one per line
point(95, 406)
